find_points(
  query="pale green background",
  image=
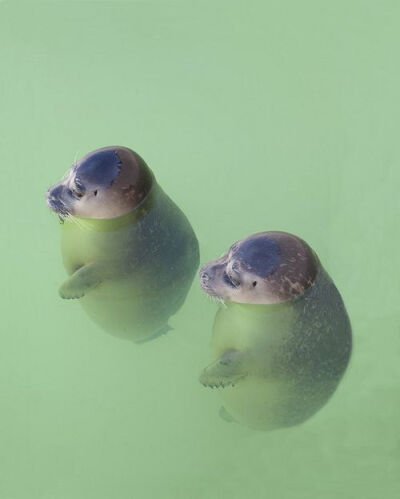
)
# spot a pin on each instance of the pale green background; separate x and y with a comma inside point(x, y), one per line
point(254, 116)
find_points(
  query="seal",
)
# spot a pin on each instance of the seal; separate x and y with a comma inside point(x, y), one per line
point(282, 340)
point(130, 252)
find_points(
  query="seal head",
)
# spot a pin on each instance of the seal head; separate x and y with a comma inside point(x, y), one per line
point(264, 268)
point(106, 183)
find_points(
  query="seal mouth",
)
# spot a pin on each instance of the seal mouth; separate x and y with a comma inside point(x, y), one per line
point(57, 206)
point(211, 293)
point(204, 280)
point(206, 285)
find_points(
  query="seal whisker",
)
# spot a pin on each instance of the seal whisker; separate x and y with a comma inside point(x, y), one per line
point(66, 174)
point(222, 302)
point(78, 223)
point(75, 158)
point(70, 169)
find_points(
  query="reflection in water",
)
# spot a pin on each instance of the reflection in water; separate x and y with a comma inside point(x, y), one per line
point(129, 250)
point(283, 340)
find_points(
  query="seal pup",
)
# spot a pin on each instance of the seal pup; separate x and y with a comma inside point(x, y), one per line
point(130, 252)
point(282, 341)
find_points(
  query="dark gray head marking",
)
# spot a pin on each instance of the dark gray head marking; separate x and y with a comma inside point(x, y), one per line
point(261, 255)
point(99, 168)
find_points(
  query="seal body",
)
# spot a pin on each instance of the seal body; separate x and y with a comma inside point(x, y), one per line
point(276, 362)
point(132, 271)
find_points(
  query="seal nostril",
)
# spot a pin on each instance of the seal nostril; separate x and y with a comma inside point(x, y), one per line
point(204, 277)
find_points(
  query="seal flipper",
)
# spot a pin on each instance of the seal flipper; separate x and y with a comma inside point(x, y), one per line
point(224, 414)
point(225, 371)
point(164, 330)
point(81, 281)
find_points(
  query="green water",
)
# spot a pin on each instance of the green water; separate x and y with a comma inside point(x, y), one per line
point(253, 116)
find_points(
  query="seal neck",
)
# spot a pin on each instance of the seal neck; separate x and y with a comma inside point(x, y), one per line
point(113, 224)
point(255, 308)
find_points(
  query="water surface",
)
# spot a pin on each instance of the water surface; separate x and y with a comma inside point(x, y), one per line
point(254, 116)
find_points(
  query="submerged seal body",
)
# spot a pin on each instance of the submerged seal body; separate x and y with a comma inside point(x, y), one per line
point(129, 250)
point(283, 340)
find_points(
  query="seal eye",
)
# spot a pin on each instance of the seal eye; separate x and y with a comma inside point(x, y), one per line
point(95, 193)
point(254, 284)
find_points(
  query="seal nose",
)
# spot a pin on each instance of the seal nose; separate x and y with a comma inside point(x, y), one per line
point(207, 274)
point(204, 277)
point(54, 199)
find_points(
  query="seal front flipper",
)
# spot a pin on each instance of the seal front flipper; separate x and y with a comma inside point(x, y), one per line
point(81, 281)
point(164, 330)
point(224, 414)
point(225, 371)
